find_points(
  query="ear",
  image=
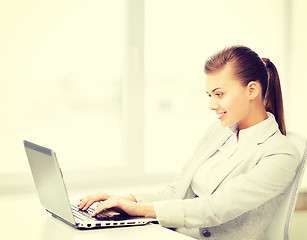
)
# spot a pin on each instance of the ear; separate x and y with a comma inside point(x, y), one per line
point(253, 89)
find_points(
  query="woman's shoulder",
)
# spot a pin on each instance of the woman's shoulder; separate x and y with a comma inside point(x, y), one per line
point(281, 144)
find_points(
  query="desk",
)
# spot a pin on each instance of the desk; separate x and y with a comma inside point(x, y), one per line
point(40, 225)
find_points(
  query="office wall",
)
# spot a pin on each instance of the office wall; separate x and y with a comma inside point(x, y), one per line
point(62, 65)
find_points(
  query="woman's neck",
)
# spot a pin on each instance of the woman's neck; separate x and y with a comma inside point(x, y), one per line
point(256, 116)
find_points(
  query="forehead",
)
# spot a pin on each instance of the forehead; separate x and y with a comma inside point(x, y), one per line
point(223, 79)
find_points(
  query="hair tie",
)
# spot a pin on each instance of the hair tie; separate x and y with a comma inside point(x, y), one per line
point(266, 62)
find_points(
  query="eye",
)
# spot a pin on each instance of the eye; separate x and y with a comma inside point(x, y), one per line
point(219, 94)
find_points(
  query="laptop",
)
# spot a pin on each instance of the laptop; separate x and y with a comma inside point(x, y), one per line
point(51, 189)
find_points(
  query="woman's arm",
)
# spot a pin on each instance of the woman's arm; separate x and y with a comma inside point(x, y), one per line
point(168, 193)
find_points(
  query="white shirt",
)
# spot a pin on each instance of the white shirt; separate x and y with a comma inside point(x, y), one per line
point(205, 175)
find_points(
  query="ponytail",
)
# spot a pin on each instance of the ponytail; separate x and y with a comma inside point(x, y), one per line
point(273, 97)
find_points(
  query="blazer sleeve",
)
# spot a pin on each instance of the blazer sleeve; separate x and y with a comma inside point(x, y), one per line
point(269, 178)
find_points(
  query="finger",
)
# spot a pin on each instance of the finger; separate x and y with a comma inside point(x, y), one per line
point(81, 204)
point(89, 200)
point(105, 205)
point(84, 200)
point(88, 204)
point(111, 210)
point(85, 204)
point(100, 197)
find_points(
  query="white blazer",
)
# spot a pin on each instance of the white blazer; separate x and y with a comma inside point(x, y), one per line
point(245, 195)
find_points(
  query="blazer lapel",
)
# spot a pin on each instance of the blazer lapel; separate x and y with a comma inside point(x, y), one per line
point(230, 164)
point(210, 147)
point(213, 142)
point(245, 152)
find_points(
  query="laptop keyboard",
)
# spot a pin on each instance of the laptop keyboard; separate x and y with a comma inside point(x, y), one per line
point(105, 215)
point(82, 215)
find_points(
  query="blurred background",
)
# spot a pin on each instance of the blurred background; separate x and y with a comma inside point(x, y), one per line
point(117, 88)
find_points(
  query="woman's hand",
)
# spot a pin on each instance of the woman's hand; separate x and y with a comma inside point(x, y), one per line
point(87, 201)
point(129, 207)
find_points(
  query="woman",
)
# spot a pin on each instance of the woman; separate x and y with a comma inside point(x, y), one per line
point(232, 185)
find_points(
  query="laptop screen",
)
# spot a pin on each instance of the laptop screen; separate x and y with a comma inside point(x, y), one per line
point(48, 180)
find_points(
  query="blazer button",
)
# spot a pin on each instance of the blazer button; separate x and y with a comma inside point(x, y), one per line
point(206, 233)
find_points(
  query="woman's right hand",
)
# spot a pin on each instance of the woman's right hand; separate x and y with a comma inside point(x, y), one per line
point(87, 201)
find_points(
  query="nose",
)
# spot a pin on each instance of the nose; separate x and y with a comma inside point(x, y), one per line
point(213, 105)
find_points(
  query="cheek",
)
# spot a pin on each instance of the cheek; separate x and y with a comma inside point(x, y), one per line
point(237, 104)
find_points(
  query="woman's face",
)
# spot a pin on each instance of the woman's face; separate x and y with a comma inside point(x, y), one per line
point(229, 98)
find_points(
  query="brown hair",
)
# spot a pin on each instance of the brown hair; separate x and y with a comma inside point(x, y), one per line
point(248, 66)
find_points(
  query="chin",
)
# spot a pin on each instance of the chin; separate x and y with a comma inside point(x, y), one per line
point(224, 124)
point(227, 124)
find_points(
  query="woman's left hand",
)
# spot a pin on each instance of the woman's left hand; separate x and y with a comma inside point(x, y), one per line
point(129, 207)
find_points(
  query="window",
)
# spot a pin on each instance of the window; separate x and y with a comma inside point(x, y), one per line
point(62, 70)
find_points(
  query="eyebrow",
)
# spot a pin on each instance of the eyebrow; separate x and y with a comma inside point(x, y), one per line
point(214, 90)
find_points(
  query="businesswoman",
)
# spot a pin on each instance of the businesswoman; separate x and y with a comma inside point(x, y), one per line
point(232, 185)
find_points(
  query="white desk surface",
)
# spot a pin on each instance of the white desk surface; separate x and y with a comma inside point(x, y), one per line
point(22, 217)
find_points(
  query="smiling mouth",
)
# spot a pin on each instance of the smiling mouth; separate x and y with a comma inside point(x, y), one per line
point(220, 115)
